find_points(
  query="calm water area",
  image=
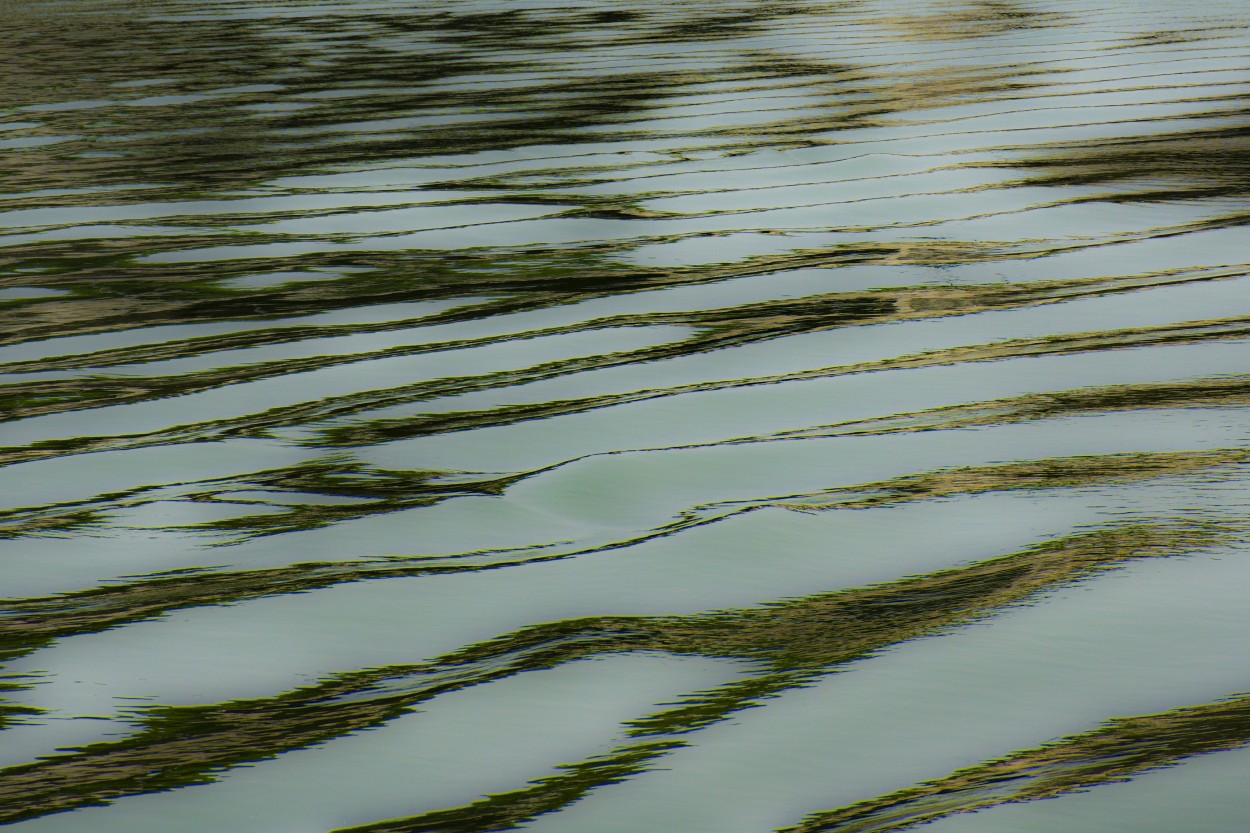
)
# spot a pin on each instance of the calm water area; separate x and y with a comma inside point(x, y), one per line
point(624, 416)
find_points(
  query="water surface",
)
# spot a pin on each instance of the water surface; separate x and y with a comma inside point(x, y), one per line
point(717, 417)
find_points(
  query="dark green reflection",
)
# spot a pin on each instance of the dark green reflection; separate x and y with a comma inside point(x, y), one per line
point(1125, 747)
point(863, 620)
point(26, 624)
point(158, 164)
point(787, 641)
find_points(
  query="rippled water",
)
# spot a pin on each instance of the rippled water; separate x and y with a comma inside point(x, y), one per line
point(624, 417)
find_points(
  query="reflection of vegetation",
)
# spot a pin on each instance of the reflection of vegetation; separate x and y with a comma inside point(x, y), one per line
point(113, 294)
point(507, 811)
point(11, 713)
point(384, 430)
point(240, 101)
point(313, 494)
point(52, 520)
point(1200, 164)
point(964, 19)
point(244, 115)
point(202, 129)
point(526, 104)
point(177, 746)
point(26, 624)
point(714, 329)
point(377, 491)
point(1123, 748)
point(1066, 472)
point(217, 69)
point(660, 733)
point(1230, 392)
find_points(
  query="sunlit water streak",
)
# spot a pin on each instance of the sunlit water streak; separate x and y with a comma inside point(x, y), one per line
point(619, 417)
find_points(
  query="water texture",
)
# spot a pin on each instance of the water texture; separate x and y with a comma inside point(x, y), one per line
point(624, 417)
